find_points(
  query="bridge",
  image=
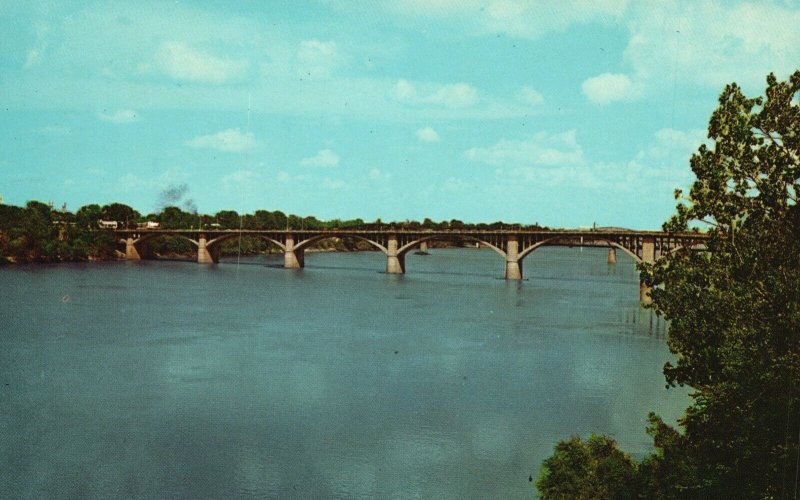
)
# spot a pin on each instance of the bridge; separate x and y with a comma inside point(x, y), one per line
point(512, 245)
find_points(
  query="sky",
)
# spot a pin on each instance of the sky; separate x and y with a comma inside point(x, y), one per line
point(560, 113)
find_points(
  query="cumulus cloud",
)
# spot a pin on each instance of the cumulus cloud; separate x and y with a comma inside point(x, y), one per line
point(558, 159)
point(230, 141)
point(33, 57)
point(119, 116)
point(542, 159)
point(530, 95)
point(457, 95)
point(712, 43)
point(540, 149)
point(316, 59)
point(608, 87)
point(323, 158)
point(405, 91)
point(377, 174)
point(181, 62)
point(668, 154)
point(520, 18)
point(427, 134)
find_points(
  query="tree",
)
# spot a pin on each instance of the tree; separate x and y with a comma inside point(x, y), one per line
point(120, 213)
point(265, 220)
point(175, 218)
point(280, 219)
point(88, 215)
point(38, 232)
point(295, 221)
point(734, 310)
point(592, 469)
point(734, 313)
point(228, 219)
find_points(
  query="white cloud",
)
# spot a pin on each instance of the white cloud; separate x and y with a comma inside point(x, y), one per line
point(376, 174)
point(608, 87)
point(457, 95)
point(530, 95)
point(405, 91)
point(119, 116)
point(230, 141)
point(323, 158)
point(181, 62)
point(520, 18)
point(316, 59)
point(667, 156)
point(712, 42)
point(454, 96)
point(543, 159)
point(558, 160)
point(283, 176)
point(33, 57)
point(427, 134)
point(540, 149)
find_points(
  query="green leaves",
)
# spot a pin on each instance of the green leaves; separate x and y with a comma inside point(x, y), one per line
point(734, 312)
point(592, 469)
point(734, 309)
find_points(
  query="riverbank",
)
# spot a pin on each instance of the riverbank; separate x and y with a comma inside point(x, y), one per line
point(119, 255)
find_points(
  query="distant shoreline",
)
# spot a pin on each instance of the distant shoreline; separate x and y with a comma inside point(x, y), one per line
point(191, 257)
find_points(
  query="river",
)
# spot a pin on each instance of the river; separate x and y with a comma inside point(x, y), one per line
point(243, 379)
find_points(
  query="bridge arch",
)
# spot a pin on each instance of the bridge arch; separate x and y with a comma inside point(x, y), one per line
point(151, 236)
point(403, 250)
point(225, 237)
point(529, 250)
point(301, 246)
point(136, 245)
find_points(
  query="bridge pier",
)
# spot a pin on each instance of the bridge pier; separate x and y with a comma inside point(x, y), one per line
point(395, 263)
point(513, 264)
point(204, 254)
point(612, 255)
point(293, 258)
point(648, 257)
point(131, 253)
point(423, 247)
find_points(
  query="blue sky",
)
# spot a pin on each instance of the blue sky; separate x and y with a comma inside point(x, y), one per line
point(552, 112)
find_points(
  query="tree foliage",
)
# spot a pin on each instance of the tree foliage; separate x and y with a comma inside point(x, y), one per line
point(734, 309)
point(587, 470)
point(36, 232)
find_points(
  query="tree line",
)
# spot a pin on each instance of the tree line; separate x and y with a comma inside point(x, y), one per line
point(734, 325)
point(39, 233)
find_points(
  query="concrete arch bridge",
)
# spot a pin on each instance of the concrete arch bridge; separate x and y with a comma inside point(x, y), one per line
point(512, 245)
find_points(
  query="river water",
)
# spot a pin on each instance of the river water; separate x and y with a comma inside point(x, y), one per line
point(172, 379)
